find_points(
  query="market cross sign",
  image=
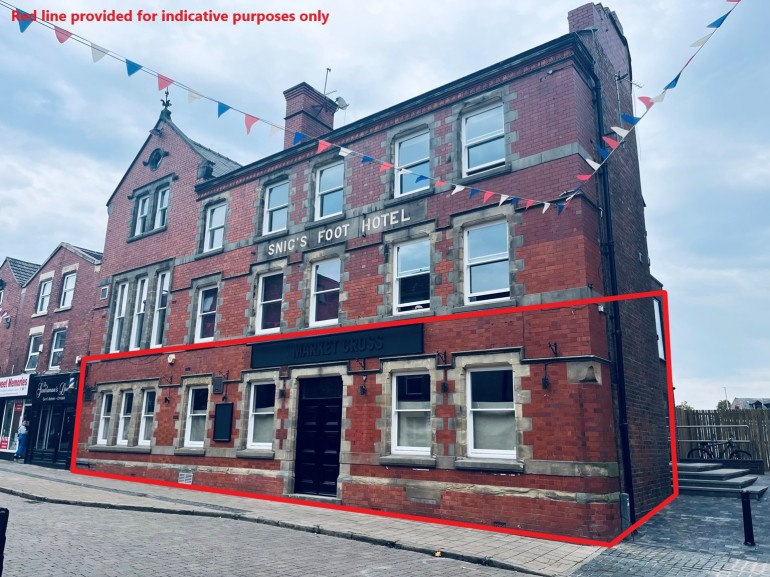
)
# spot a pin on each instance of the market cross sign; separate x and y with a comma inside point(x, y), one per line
point(388, 342)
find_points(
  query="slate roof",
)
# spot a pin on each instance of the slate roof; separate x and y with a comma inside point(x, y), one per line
point(222, 164)
point(750, 403)
point(22, 270)
point(97, 256)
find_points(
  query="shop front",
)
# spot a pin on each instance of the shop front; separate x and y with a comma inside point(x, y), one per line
point(13, 391)
point(52, 402)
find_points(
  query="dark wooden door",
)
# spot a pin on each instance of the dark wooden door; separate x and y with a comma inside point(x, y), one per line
point(319, 431)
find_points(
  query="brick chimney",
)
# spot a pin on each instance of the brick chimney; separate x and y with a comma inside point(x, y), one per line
point(606, 30)
point(307, 111)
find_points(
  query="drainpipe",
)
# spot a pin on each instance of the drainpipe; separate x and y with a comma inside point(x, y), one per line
point(617, 336)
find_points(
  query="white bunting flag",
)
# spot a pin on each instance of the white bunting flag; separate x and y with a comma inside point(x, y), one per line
point(592, 164)
point(457, 189)
point(621, 132)
point(97, 52)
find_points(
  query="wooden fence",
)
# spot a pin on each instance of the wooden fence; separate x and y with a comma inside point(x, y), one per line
point(750, 428)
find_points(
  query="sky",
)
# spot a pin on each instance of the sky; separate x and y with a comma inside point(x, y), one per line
point(69, 128)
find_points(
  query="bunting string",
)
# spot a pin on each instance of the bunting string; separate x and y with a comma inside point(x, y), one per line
point(562, 200)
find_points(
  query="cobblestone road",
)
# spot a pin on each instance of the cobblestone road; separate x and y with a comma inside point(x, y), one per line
point(48, 540)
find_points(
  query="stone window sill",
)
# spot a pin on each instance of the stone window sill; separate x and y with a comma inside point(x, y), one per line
point(476, 464)
point(208, 253)
point(119, 449)
point(420, 461)
point(255, 454)
point(190, 452)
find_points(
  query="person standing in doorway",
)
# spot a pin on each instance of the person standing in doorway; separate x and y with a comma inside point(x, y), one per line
point(22, 441)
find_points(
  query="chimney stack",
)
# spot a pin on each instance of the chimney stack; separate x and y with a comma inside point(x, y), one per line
point(307, 111)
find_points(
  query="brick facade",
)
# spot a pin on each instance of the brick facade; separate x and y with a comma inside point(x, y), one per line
point(508, 419)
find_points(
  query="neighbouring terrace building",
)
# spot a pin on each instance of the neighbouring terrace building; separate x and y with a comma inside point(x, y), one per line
point(336, 257)
point(49, 329)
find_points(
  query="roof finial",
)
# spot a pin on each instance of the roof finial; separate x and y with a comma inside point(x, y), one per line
point(165, 102)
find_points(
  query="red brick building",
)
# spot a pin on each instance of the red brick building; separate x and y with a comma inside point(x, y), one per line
point(541, 420)
point(51, 332)
point(14, 384)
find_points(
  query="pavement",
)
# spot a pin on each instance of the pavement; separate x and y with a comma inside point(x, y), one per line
point(504, 551)
point(693, 536)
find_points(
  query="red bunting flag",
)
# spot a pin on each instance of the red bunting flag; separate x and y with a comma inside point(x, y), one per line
point(613, 144)
point(529, 203)
point(647, 101)
point(584, 176)
point(385, 166)
point(61, 35)
point(323, 145)
point(440, 183)
point(487, 195)
point(164, 82)
point(250, 121)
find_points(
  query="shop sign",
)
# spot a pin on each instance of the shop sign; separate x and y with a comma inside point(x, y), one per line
point(344, 230)
point(48, 392)
point(388, 342)
point(15, 386)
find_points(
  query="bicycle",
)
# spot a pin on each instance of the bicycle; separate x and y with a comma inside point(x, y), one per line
point(716, 449)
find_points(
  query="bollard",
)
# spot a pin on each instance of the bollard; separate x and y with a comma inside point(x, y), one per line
point(748, 525)
point(3, 526)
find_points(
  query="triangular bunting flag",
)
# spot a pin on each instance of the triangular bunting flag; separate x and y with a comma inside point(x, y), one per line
point(274, 129)
point(613, 144)
point(25, 19)
point(249, 120)
point(221, 109)
point(458, 188)
point(718, 22)
point(61, 35)
point(132, 67)
point(593, 164)
point(701, 41)
point(570, 197)
point(440, 183)
point(603, 153)
point(673, 83)
point(546, 206)
point(621, 132)
point(630, 119)
point(385, 166)
point(647, 101)
point(659, 98)
point(503, 198)
point(584, 176)
point(164, 82)
point(344, 151)
point(366, 159)
point(323, 145)
point(528, 203)
point(560, 207)
point(97, 53)
point(474, 191)
point(299, 137)
point(192, 96)
point(515, 201)
point(487, 196)
point(420, 178)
